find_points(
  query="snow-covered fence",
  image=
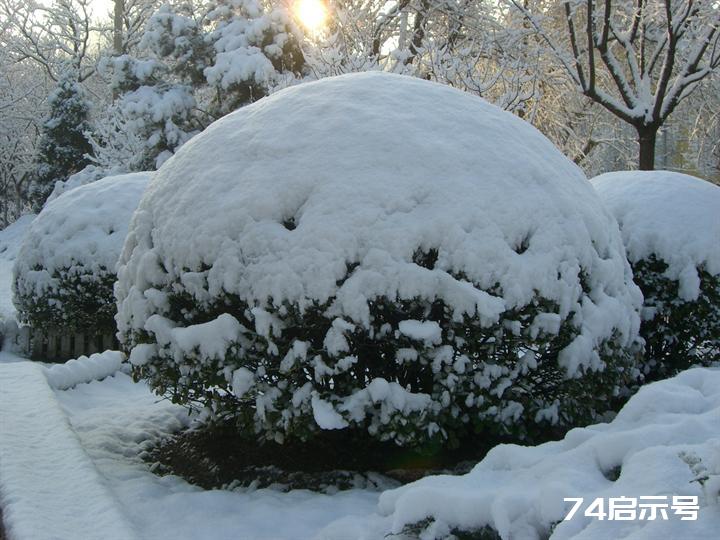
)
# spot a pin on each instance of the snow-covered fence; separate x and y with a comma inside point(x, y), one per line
point(58, 345)
point(84, 369)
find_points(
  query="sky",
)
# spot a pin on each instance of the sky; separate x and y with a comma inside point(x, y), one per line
point(101, 8)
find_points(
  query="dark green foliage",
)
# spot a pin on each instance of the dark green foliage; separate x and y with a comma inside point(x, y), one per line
point(494, 381)
point(678, 333)
point(77, 302)
point(63, 146)
point(483, 533)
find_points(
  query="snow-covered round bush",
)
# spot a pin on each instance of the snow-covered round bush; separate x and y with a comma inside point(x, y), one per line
point(378, 252)
point(670, 223)
point(65, 270)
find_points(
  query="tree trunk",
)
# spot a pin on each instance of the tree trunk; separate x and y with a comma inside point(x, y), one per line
point(118, 27)
point(646, 139)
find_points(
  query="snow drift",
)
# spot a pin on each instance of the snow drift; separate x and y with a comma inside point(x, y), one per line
point(662, 443)
point(328, 247)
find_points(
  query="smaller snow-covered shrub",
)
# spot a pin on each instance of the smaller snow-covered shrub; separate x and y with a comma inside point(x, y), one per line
point(297, 267)
point(670, 224)
point(65, 270)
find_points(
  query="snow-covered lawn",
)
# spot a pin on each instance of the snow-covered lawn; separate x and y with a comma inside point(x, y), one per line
point(70, 468)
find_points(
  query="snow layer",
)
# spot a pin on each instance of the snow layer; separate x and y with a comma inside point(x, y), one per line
point(84, 369)
point(116, 419)
point(49, 488)
point(88, 175)
point(81, 231)
point(276, 201)
point(665, 437)
point(673, 216)
point(11, 238)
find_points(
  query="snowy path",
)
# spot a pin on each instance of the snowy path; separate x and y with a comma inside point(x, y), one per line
point(49, 487)
point(112, 417)
point(70, 470)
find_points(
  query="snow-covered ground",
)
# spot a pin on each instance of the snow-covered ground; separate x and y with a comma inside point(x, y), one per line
point(49, 486)
point(664, 439)
point(70, 469)
point(71, 455)
point(114, 416)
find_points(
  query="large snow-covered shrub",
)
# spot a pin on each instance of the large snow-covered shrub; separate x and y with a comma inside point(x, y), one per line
point(670, 223)
point(377, 251)
point(65, 270)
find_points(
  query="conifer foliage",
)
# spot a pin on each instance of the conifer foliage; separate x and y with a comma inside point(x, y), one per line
point(63, 148)
point(190, 70)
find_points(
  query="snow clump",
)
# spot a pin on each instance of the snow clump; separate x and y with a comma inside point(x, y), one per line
point(84, 369)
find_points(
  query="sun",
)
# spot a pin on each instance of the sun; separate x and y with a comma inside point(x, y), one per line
point(312, 13)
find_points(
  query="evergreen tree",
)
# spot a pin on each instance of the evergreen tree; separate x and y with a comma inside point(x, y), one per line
point(63, 147)
point(255, 48)
point(190, 69)
point(152, 117)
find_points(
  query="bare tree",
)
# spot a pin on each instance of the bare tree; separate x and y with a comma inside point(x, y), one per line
point(638, 59)
point(118, 27)
point(22, 93)
point(128, 23)
point(54, 36)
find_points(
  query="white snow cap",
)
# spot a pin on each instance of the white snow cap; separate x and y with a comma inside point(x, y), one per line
point(82, 230)
point(673, 216)
point(279, 199)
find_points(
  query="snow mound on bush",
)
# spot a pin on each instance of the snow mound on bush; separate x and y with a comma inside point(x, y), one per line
point(82, 232)
point(84, 369)
point(279, 201)
point(90, 174)
point(673, 216)
point(663, 438)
